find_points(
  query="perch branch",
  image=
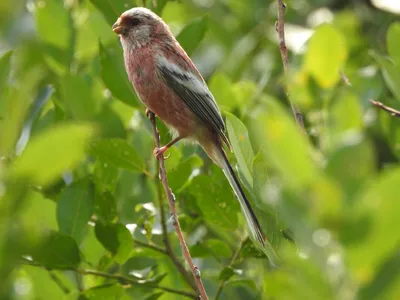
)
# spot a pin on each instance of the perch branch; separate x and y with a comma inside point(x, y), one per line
point(168, 249)
point(280, 28)
point(393, 112)
point(171, 201)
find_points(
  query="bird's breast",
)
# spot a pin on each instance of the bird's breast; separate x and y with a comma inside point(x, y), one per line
point(156, 94)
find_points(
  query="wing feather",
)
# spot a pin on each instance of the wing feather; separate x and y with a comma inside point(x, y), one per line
point(196, 95)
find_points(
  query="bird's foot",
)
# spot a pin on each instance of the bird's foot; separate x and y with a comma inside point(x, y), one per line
point(149, 113)
point(159, 153)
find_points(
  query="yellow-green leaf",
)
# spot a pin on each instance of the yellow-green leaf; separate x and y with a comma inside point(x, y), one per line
point(53, 152)
point(326, 55)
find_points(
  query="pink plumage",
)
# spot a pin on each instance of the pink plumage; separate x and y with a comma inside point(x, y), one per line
point(168, 83)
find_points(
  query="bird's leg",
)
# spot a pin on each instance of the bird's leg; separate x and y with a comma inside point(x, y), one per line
point(159, 152)
point(148, 112)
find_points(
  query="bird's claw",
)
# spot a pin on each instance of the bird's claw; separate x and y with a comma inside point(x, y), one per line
point(159, 153)
point(149, 113)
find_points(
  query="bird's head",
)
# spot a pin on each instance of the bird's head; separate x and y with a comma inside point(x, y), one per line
point(138, 26)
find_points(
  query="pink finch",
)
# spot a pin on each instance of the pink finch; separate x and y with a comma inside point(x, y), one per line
point(168, 83)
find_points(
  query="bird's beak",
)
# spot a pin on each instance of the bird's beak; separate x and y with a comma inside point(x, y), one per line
point(117, 28)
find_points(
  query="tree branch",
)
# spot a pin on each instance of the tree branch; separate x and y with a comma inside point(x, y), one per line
point(280, 28)
point(171, 201)
point(59, 282)
point(127, 280)
point(120, 278)
point(169, 251)
point(393, 112)
point(150, 246)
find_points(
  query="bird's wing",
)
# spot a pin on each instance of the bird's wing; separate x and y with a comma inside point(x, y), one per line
point(195, 93)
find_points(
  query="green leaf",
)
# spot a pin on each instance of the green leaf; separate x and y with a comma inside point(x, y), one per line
point(218, 248)
point(74, 209)
point(104, 292)
point(119, 153)
point(54, 26)
point(300, 279)
point(78, 99)
point(358, 157)
point(193, 33)
point(105, 176)
point(243, 283)
point(326, 55)
point(373, 235)
point(114, 76)
point(106, 206)
point(226, 273)
point(215, 200)
point(239, 138)
point(116, 238)
point(58, 252)
point(221, 87)
point(53, 152)
point(393, 42)
point(5, 64)
point(285, 147)
point(391, 74)
point(385, 284)
point(53, 23)
point(112, 9)
point(154, 296)
point(178, 177)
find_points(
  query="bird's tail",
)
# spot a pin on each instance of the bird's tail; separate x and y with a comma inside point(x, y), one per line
point(218, 155)
point(245, 205)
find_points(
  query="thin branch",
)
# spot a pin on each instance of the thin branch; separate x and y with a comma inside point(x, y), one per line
point(280, 28)
point(120, 278)
point(233, 259)
point(171, 201)
point(59, 282)
point(169, 251)
point(128, 280)
point(345, 79)
point(150, 246)
point(393, 112)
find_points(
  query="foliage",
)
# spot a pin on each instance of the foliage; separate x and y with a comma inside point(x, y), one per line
point(79, 189)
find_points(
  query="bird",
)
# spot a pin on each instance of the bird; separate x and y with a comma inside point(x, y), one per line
point(168, 83)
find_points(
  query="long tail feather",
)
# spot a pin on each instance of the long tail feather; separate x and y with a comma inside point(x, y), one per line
point(248, 211)
point(251, 219)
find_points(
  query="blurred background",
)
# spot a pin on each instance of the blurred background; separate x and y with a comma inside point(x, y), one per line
point(80, 198)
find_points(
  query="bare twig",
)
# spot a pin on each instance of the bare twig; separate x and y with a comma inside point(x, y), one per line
point(150, 246)
point(171, 201)
point(393, 112)
point(169, 251)
point(59, 282)
point(280, 28)
point(118, 277)
point(345, 78)
point(127, 280)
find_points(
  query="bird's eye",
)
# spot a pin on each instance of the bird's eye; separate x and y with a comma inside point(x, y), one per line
point(133, 22)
